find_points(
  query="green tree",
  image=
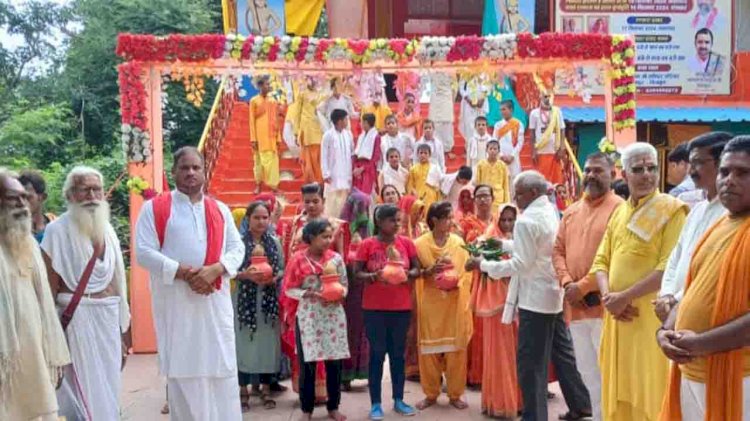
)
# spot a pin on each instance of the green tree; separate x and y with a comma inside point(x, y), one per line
point(90, 67)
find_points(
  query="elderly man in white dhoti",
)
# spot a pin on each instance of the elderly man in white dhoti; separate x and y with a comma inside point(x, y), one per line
point(32, 345)
point(87, 277)
point(189, 244)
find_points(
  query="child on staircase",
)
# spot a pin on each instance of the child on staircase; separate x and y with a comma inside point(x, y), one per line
point(476, 145)
point(493, 172)
point(424, 177)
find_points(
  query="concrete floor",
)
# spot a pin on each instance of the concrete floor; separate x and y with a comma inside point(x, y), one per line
point(144, 396)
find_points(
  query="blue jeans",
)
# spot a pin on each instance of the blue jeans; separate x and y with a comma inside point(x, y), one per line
point(386, 333)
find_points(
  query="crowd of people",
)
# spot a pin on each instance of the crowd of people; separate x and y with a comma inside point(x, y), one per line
point(637, 305)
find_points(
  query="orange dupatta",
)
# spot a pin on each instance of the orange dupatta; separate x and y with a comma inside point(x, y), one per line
point(513, 126)
point(724, 369)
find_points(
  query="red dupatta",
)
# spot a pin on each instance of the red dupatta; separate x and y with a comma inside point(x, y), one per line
point(214, 227)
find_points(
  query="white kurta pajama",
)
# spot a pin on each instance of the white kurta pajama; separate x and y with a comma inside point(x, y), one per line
point(441, 108)
point(336, 152)
point(469, 113)
point(476, 149)
point(195, 333)
point(94, 333)
point(32, 344)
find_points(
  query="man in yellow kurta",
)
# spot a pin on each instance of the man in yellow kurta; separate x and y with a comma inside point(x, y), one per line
point(265, 134)
point(628, 267)
point(445, 323)
point(493, 172)
point(379, 109)
point(303, 114)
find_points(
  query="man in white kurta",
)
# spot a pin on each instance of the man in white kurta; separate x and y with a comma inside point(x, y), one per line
point(337, 101)
point(32, 346)
point(336, 152)
point(704, 155)
point(473, 104)
point(441, 108)
point(95, 333)
point(194, 319)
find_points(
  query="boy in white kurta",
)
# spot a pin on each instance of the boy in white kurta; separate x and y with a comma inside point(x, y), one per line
point(436, 147)
point(192, 306)
point(476, 145)
point(393, 139)
point(509, 132)
point(336, 153)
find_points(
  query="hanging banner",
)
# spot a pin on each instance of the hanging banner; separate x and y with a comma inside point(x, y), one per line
point(683, 46)
point(258, 17)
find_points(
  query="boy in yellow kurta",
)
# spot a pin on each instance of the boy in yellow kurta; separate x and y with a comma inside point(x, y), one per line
point(445, 323)
point(266, 116)
point(494, 173)
point(304, 118)
point(628, 267)
point(424, 178)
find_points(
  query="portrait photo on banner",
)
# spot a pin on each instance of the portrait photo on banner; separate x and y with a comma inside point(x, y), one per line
point(259, 17)
point(686, 49)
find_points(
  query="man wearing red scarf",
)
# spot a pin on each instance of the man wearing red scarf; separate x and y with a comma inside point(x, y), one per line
point(188, 243)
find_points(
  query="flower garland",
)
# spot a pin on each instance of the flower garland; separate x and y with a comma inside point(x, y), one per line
point(623, 82)
point(134, 134)
point(618, 50)
point(139, 186)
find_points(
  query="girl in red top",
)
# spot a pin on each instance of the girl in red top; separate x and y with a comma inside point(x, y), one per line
point(387, 307)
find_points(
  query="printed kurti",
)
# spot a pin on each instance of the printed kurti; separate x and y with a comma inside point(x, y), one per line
point(322, 327)
point(634, 379)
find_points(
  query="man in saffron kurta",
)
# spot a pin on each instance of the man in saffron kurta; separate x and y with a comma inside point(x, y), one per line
point(265, 134)
point(706, 334)
point(445, 325)
point(304, 118)
point(628, 267)
point(548, 140)
point(581, 230)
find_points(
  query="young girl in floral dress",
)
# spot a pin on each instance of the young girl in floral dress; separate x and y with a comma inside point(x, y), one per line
point(320, 325)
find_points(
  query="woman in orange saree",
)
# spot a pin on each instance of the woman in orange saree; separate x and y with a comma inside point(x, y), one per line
point(413, 226)
point(501, 397)
point(472, 222)
point(314, 206)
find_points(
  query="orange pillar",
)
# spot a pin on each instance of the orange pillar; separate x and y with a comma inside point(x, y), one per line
point(142, 322)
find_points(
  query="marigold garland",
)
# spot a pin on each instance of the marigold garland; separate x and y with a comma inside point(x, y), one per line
point(618, 50)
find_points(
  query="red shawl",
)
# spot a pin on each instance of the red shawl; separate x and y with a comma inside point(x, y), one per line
point(214, 227)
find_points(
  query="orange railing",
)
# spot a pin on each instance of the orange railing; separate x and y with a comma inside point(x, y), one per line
point(216, 127)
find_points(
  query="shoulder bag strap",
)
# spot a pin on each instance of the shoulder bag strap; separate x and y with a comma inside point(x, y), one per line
point(67, 315)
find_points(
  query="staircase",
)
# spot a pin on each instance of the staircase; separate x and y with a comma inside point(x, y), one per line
point(232, 181)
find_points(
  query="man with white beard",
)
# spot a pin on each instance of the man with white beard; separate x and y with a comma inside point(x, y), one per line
point(32, 345)
point(87, 277)
point(190, 246)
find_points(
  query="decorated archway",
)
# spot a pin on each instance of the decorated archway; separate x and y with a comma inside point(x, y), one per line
point(192, 57)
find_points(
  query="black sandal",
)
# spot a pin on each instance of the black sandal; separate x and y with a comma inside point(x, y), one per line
point(268, 403)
